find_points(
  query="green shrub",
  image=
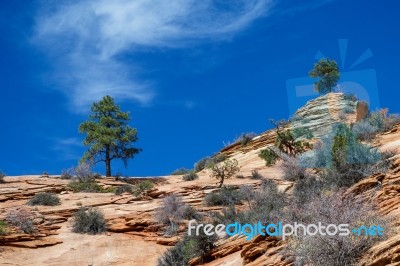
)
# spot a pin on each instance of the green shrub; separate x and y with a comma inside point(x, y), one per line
point(256, 175)
point(44, 199)
point(142, 187)
point(2, 175)
point(219, 158)
point(190, 176)
point(191, 246)
point(302, 132)
point(286, 142)
point(4, 228)
point(87, 187)
point(344, 158)
point(180, 171)
point(124, 188)
point(89, 221)
point(201, 164)
point(269, 156)
point(226, 196)
point(23, 219)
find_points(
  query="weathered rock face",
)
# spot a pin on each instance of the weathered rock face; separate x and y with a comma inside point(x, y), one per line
point(320, 114)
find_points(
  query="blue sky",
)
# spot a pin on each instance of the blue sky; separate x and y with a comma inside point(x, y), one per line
point(193, 74)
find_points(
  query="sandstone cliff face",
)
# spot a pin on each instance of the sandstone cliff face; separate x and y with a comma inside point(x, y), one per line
point(133, 236)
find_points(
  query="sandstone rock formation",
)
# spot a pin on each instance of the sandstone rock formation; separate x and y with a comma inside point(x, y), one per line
point(133, 236)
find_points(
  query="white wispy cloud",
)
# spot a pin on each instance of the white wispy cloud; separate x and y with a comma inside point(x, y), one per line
point(85, 39)
point(67, 149)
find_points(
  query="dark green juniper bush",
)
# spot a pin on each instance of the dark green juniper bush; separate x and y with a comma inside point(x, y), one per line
point(285, 140)
point(108, 134)
point(269, 156)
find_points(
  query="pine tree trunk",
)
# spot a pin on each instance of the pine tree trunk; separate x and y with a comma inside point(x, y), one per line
point(108, 162)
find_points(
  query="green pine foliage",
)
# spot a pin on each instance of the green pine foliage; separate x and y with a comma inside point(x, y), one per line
point(327, 71)
point(108, 134)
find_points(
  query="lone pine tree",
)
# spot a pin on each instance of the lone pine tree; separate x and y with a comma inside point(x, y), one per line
point(108, 134)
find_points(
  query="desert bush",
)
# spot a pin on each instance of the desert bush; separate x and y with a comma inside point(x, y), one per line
point(142, 187)
point(83, 173)
point(364, 131)
point(351, 160)
point(269, 156)
point(191, 246)
point(201, 164)
point(333, 250)
point(240, 176)
point(2, 175)
point(302, 132)
point(382, 120)
point(172, 211)
point(216, 159)
point(245, 138)
point(224, 170)
point(190, 176)
point(89, 221)
point(68, 173)
point(45, 199)
point(264, 204)
point(124, 188)
point(22, 219)
point(292, 170)
point(180, 171)
point(256, 175)
point(87, 187)
point(307, 188)
point(4, 228)
point(344, 159)
point(225, 216)
point(226, 196)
